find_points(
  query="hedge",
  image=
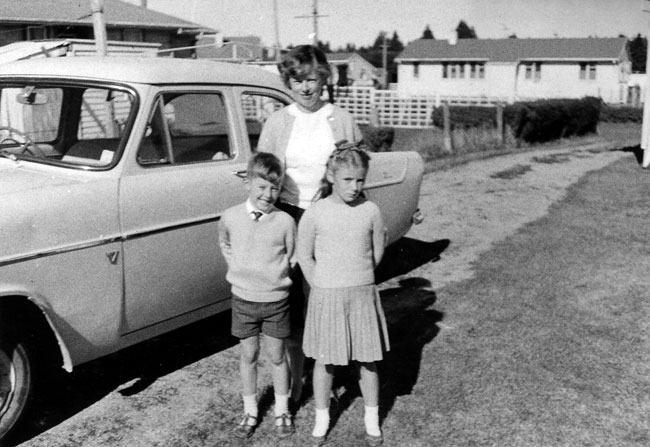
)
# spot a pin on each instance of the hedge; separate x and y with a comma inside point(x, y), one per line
point(534, 121)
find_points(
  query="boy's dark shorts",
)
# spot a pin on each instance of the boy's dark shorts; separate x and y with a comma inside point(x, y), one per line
point(249, 318)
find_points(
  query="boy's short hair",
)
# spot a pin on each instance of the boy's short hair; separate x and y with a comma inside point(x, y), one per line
point(266, 166)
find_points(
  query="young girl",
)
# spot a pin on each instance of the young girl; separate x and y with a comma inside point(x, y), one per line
point(341, 240)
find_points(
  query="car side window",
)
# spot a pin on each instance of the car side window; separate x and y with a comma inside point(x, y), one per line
point(187, 128)
point(257, 109)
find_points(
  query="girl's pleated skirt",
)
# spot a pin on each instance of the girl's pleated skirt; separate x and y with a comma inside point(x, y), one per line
point(345, 324)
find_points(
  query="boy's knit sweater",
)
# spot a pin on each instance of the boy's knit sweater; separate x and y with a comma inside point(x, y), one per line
point(258, 253)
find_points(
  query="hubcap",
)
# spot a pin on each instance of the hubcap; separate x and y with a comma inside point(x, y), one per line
point(7, 381)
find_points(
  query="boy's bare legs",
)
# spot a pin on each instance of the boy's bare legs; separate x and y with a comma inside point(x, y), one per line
point(275, 348)
point(369, 384)
point(296, 360)
point(280, 369)
point(322, 382)
point(249, 354)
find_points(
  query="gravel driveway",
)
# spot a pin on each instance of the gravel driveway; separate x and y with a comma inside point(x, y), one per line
point(182, 389)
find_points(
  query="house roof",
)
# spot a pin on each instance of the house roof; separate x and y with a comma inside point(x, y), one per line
point(66, 12)
point(344, 58)
point(513, 50)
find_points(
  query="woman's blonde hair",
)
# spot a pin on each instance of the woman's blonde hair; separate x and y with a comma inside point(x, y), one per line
point(300, 61)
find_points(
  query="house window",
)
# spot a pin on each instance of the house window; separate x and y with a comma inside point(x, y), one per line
point(416, 70)
point(456, 70)
point(477, 70)
point(587, 71)
point(453, 70)
point(534, 71)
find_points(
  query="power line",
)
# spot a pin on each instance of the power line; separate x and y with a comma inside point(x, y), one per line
point(314, 16)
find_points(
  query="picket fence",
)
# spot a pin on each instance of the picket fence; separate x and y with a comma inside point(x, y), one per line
point(389, 108)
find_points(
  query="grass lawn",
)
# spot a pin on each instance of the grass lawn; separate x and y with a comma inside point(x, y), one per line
point(548, 345)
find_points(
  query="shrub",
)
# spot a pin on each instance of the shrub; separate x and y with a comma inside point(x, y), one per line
point(465, 117)
point(546, 120)
point(621, 114)
point(378, 139)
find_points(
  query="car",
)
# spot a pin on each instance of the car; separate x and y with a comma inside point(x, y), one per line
point(114, 173)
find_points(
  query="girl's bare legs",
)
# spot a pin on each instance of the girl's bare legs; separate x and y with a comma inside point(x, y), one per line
point(369, 384)
point(322, 381)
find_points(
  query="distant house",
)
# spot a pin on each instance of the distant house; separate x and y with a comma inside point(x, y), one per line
point(516, 69)
point(231, 49)
point(27, 20)
point(352, 69)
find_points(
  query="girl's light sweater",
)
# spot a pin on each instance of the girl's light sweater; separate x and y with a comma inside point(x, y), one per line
point(258, 253)
point(340, 245)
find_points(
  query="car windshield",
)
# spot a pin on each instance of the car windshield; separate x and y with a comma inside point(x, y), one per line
point(71, 125)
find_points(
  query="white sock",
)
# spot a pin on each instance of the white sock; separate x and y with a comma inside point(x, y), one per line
point(322, 422)
point(250, 404)
point(371, 419)
point(281, 404)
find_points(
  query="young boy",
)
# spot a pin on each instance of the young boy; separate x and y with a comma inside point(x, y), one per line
point(257, 241)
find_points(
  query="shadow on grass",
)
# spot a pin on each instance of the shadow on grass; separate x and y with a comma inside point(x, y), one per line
point(412, 324)
point(142, 364)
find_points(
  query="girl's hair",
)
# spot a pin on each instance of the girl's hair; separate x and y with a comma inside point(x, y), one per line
point(300, 61)
point(349, 155)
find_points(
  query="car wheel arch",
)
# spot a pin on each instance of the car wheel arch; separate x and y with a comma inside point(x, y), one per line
point(26, 307)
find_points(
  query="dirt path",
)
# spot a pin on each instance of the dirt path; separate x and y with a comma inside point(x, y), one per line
point(188, 395)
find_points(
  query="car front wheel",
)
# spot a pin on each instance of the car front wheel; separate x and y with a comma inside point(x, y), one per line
point(16, 379)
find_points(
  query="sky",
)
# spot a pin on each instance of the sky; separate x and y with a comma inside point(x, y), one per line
point(360, 21)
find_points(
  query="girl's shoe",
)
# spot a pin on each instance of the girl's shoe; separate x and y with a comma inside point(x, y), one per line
point(246, 427)
point(318, 441)
point(374, 441)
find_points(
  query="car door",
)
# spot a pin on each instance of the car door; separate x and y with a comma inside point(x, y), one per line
point(187, 161)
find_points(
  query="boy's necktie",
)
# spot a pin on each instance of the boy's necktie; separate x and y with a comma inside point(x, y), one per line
point(256, 215)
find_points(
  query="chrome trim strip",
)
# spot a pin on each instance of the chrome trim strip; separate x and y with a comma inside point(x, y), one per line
point(107, 241)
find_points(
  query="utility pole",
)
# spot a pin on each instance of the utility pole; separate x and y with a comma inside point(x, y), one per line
point(314, 16)
point(278, 56)
point(384, 61)
point(645, 127)
point(99, 26)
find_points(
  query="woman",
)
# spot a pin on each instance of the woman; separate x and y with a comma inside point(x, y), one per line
point(303, 135)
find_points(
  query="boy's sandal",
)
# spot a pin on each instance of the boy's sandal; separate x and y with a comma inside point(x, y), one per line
point(374, 441)
point(246, 427)
point(284, 425)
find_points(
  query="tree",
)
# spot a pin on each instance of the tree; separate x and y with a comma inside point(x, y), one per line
point(427, 33)
point(395, 43)
point(638, 52)
point(464, 31)
point(324, 46)
point(374, 53)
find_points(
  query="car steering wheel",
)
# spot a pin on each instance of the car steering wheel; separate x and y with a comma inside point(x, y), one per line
point(26, 146)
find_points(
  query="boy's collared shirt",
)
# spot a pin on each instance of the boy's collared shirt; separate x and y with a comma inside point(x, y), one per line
point(252, 210)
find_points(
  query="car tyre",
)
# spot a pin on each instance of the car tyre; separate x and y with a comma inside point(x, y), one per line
point(16, 378)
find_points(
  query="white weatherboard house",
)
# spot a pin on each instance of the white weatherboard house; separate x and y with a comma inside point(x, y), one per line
point(516, 69)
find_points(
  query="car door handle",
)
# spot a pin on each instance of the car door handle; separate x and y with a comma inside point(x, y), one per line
point(241, 173)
